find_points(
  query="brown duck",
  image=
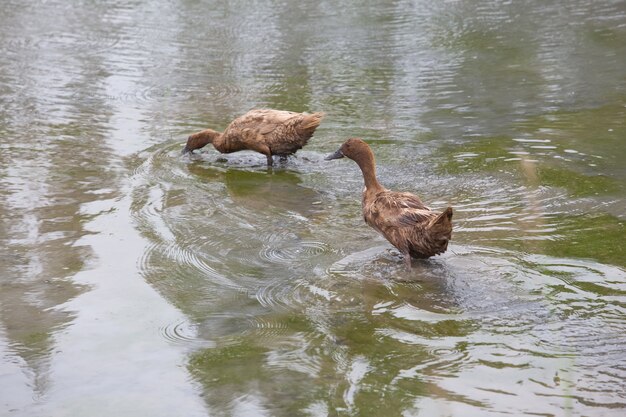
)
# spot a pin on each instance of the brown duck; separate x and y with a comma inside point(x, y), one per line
point(401, 217)
point(270, 132)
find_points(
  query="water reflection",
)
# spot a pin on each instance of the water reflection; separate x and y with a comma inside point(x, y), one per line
point(259, 190)
point(138, 282)
point(496, 327)
point(46, 175)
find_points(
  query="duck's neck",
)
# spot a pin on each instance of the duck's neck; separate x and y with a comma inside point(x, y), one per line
point(201, 139)
point(368, 167)
point(218, 141)
point(227, 143)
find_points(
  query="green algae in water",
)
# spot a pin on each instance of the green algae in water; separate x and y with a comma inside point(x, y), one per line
point(578, 185)
point(500, 154)
point(596, 132)
point(484, 155)
point(597, 237)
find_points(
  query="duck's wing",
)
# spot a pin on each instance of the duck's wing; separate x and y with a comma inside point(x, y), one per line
point(408, 224)
point(283, 132)
point(262, 121)
point(394, 209)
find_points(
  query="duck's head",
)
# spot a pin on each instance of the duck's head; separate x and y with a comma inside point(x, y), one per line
point(354, 148)
point(200, 139)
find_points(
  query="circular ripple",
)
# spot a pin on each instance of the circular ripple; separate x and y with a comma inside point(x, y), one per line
point(180, 331)
point(268, 327)
point(276, 250)
point(278, 295)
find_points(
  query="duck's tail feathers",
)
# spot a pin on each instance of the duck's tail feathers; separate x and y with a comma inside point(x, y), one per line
point(444, 220)
point(310, 122)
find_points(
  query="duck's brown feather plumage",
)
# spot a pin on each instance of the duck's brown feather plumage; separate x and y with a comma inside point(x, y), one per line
point(267, 131)
point(407, 223)
point(401, 217)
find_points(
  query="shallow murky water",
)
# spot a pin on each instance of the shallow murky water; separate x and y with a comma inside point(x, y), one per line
point(135, 282)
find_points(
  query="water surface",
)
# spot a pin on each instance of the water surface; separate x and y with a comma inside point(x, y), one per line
point(138, 282)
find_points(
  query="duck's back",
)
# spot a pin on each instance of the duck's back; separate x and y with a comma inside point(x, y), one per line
point(283, 131)
point(407, 223)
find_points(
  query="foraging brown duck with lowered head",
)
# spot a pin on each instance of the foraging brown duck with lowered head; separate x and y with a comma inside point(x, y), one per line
point(267, 131)
point(401, 217)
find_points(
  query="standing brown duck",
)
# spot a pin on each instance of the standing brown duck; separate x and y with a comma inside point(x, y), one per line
point(270, 132)
point(401, 217)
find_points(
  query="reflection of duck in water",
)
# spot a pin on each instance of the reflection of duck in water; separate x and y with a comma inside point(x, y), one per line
point(270, 132)
point(260, 190)
point(401, 217)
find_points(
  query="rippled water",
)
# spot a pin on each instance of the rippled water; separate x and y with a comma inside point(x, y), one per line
point(137, 282)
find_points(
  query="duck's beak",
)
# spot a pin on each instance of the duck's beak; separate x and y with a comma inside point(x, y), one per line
point(338, 154)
